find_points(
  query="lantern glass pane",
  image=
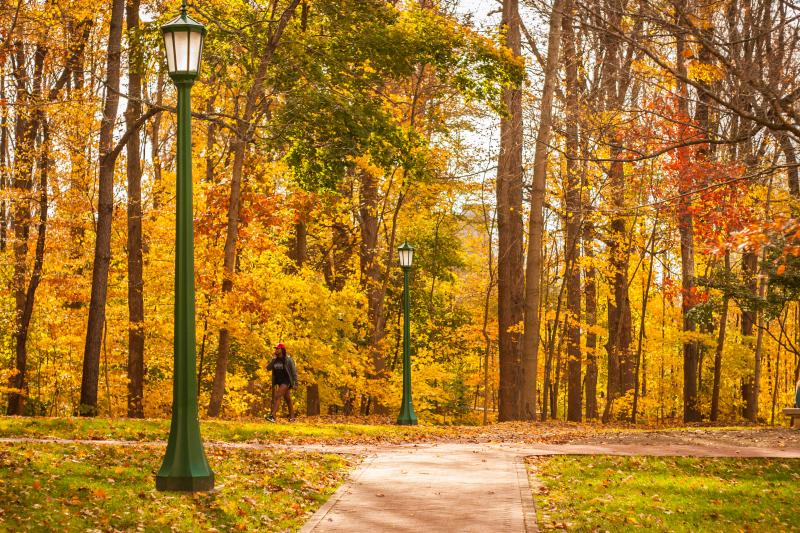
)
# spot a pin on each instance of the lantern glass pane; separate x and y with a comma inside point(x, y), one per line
point(169, 44)
point(182, 50)
point(405, 258)
point(195, 42)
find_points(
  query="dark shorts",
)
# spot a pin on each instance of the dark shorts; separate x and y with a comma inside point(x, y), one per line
point(279, 383)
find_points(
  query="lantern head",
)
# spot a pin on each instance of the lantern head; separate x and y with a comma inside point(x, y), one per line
point(183, 42)
point(406, 255)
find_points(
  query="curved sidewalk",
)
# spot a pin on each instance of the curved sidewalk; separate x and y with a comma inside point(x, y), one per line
point(432, 488)
point(467, 487)
point(452, 487)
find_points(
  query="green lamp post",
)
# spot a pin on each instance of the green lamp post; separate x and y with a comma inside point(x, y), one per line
point(407, 416)
point(185, 467)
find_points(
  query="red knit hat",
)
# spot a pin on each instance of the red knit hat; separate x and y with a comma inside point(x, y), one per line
point(280, 345)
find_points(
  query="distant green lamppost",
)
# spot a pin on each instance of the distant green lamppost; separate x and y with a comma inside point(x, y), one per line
point(407, 416)
point(185, 467)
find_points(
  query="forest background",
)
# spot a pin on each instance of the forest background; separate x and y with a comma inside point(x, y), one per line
point(602, 197)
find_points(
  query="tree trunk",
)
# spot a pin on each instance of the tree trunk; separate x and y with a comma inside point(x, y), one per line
point(135, 267)
point(244, 132)
point(791, 164)
point(155, 148)
point(300, 245)
point(723, 325)
point(4, 160)
point(620, 367)
point(533, 267)
point(645, 297)
point(487, 340)
point(691, 354)
point(25, 132)
point(573, 223)
point(590, 290)
point(749, 268)
point(312, 400)
point(756, 384)
point(371, 273)
point(510, 282)
point(105, 213)
point(691, 408)
point(210, 140)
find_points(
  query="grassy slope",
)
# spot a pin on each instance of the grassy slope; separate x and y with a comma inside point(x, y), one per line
point(331, 431)
point(227, 431)
point(80, 487)
point(603, 493)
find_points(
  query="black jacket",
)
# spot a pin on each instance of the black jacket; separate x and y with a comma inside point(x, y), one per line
point(291, 369)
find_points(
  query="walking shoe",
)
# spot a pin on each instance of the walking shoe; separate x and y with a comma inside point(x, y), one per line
point(270, 418)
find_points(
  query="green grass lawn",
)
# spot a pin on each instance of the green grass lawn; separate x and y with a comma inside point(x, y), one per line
point(84, 487)
point(213, 430)
point(316, 430)
point(605, 493)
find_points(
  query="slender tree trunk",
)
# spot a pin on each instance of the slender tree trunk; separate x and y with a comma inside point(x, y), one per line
point(573, 223)
point(590, 294)
point(791, 164)
point(691, 408)
point(25, 132)
point(620, 364)
point(299, 255)
point(300, 248)
point(759, 344)
point(30, 119)
point(645, 297)
point(244, 131)
point(749, 269)
point(775, 382)
point(723, 325)
point(533, 267)
point(135, 267)
point(554, 350)
point(371, 271)
point(510, 281)
point(691, 354)
point(105, 213)
point(21, 212)
point(487, 340)
point(155, 148)
point(4, 161)
point(41, 232)
point(210, 140)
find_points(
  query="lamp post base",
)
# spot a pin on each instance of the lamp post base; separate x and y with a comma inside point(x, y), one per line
point(185, 484)
point(407, 418)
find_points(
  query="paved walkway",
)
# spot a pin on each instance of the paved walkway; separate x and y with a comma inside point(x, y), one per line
point(466, 487)
point(446, 487)
point(432, 488)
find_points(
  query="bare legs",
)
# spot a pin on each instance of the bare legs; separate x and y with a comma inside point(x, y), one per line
point(282, 392)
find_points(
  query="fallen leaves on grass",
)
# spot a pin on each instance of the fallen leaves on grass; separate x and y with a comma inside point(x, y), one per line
point(605, 493)
point(341, 430)
point(84, 487)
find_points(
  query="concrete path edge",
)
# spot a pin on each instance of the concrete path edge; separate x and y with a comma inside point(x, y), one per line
point(526, 496)
point(318, 517)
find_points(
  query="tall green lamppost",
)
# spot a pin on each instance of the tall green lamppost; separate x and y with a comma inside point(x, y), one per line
point(185, 467)
point(407, 416)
